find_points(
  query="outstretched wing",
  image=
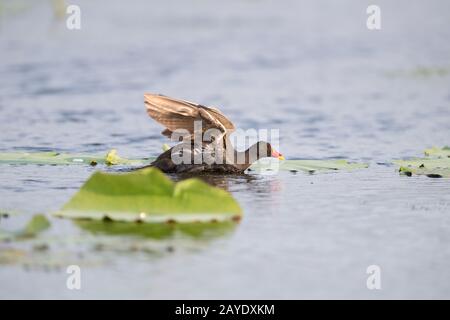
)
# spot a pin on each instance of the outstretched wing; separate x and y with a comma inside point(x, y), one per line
point(180, 114)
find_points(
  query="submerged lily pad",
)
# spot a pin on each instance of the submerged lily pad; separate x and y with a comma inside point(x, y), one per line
point(147, 195)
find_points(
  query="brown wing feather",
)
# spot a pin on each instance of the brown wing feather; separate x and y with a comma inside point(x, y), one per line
point(221, 117)
point(215, 112)
point(176, 114)
point(170, 113)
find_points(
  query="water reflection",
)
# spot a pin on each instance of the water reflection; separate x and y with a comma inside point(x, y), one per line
point(263, 191)
point(159, 231)
point(223, 181)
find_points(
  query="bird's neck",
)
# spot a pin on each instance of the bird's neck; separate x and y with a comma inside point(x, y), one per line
point(244, 159)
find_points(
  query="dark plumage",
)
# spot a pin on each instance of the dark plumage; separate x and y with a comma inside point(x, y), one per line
point(190, 156)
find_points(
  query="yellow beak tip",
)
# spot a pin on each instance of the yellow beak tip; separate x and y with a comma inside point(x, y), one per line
point(281, 158)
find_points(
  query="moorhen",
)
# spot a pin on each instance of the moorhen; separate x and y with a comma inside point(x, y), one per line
point(195, 123)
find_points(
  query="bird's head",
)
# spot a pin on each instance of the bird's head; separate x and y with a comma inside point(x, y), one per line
point(265, 149)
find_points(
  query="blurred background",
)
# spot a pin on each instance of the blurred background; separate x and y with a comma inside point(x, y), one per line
point(312, 69)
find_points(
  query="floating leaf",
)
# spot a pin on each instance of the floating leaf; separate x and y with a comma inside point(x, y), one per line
point(431, 173)
point(49, 158)
point(438, 152)
point(112, 158)
point(435, 165)
point(56, 158)
point(305, 165)
point(429, 163)
point(147, 195)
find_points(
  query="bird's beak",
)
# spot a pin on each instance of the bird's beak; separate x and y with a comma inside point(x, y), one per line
point(276, 154)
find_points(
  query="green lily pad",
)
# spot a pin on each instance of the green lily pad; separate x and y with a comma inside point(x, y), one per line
point(438, 152)
point(56, 158)
point(112, 158)
point(436, 164)
point(149, 196)
point(310, 166)
point(431, 173)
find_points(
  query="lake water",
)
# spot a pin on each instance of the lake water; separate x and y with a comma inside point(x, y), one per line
point(309, 68)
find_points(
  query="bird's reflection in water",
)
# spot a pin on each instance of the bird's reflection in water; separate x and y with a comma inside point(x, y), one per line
point(223, 181)
point(251, 184)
